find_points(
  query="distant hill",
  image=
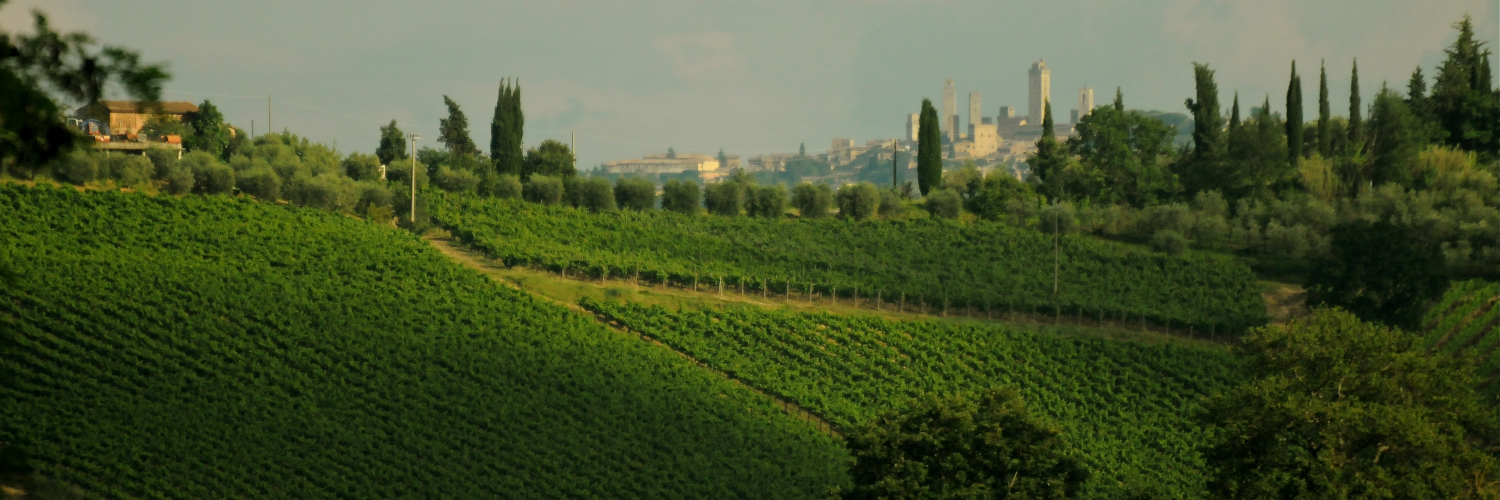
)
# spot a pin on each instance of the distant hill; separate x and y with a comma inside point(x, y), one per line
point(209, 347)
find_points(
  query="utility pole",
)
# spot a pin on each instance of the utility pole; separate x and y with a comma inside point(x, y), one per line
point(414, 138)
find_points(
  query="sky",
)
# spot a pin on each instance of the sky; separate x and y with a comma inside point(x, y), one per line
point(631, 78)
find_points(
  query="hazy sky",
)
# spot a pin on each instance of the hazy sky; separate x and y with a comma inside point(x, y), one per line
point(751, 77)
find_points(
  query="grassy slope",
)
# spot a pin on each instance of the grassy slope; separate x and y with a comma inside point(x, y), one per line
point(1125, 407)
point(207, 347)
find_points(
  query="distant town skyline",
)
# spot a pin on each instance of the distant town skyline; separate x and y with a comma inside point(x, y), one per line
point(634, 78)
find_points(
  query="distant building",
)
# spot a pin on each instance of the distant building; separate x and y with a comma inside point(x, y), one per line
point(1040, 92)
point(913, 126)
point(774, 162)
point(842, 151)
point(125, 118)
point(662, 164)
point(976, 110)
point(950, 110)
point(1007, 123)
point(1085, 103)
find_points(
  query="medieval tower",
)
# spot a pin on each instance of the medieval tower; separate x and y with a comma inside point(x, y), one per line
point(1041, 92)
point(950, 110)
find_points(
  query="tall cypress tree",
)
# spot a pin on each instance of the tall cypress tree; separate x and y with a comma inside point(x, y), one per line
point(1203, 171)
point(1462, 100)
point(1046, 165)
point(1294, 117)
point(1119, 100)
point(929, 149)
point(1325, 141)
point(1234, 126)
point(505, 130)
point(1356, 124)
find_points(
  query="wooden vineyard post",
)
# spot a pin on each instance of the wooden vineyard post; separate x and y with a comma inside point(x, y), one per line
point(695, 282)
point(902, 307)
point(721, 285)
point(877, 299)
point(809, 293)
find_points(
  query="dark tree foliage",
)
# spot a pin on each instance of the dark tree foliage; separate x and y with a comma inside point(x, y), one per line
point(1341, 408)
point(635, 193)
point(1205, 169)
point(944, 204)
point(1294, 118)
point(31, 133)
point(506, 130)
point(1396, 136)
point(594, 194)
point(766, 201)
point(210, 134)
point(998, 194)
point(858, 201)
point(1123, 158)
point(1046, 166)
point(724, 198)
point(929, 149)
point(984, 445)
point(453, 131)
point(1325, 139)
point(1381, 272)
point(551, 158)
point(543, 189)
point(1463, 98)
point(1356, 125)
point(812, 200)
point(681, 196)
point(392, 144)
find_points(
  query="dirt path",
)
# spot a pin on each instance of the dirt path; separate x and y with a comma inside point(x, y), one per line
point(501, 274)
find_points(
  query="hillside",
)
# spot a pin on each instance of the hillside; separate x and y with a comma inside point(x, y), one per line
point(1125, 407)
point(926, 263)
point(1467, 320)
point(209, 347)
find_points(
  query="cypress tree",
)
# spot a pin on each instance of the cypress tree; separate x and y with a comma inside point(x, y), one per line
point(1325, 141)
point(1356, 124)
point(1234, 125)
point(1208, 124)
point(505, 130)
point(1119, 100)
point(1294, 117)
point(929, 149)
point(1046, 165)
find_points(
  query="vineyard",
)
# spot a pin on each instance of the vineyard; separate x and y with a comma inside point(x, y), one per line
point(1125, 408)
point(926, 263)
point(210, 347)
point(1467, 320)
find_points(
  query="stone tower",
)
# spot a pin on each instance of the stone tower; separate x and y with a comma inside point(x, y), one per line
point(1085, 102)
point(976, 112)
point(950, 110)
point(1041, 92)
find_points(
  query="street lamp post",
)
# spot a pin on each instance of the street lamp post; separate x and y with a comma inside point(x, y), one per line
point(413, 215)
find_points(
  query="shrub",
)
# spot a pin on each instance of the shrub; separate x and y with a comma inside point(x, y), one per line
point(79, 167)
point(458, 181)
point(1169, 241)
point(1059, 217)
point(681, 196)
point(501, 186)
point(181, 180)
point(373, 195)
point(944, 203)
point(400, 171)
point(766, 201)
point(890, 204)
point(328, 192)
point(724, 198)
point(812, 200)
point(162, 161)
point(130, 170)
point(858, 201)
point(543, 189)
point(635, 193)
point(362, 167)
point(593, 193)
point(260, 182)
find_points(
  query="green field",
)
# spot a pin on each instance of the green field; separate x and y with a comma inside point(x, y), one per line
point(1467, 320)
point(209, 347)
point(933, 262)
point(1125, 407)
